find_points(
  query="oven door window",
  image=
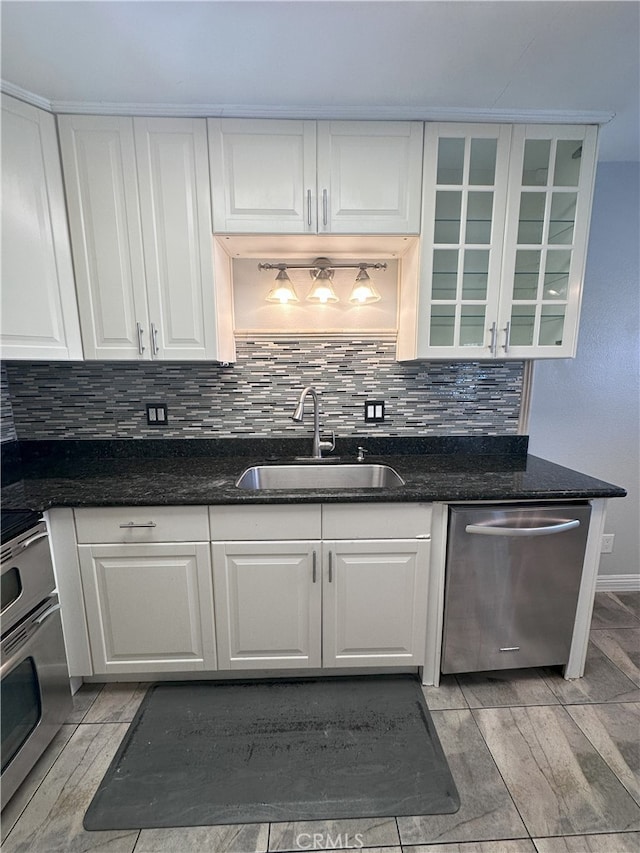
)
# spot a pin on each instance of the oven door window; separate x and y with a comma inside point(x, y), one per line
point(11, 588)
point(21, 708)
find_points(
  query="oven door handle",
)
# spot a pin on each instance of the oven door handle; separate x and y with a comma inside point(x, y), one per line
point(35, 538)
point(26, 634)
point(43, 618)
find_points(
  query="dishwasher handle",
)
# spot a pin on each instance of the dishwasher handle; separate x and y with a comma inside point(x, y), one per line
point(523, 531)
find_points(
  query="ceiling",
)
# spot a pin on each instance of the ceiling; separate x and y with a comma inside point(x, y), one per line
point(321, 58)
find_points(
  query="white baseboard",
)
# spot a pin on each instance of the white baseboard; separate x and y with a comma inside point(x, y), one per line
point(618, 583)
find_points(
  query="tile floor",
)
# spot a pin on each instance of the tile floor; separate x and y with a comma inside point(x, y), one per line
point(541, 764)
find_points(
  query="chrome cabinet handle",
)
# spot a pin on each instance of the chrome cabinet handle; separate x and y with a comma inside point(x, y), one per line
point(507, 337)
point(325, 207)
point(494, 338)
point(131, 524)
point(522, 531)
point(330, 567)
point(314, 566)
point(309, 208)
point(140, 332)
point(154, 339)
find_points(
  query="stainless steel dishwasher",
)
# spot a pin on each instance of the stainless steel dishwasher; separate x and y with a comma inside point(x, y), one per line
point(512, 581)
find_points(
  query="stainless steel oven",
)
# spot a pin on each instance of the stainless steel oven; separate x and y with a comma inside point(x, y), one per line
point(36, 696)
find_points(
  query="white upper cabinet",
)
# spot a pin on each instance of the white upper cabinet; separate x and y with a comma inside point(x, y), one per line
point(39, 312)
point(139, 214)
point(296, 177)
point(369, 176)
point(551, 179)
point(263, 175)
point(504, 234)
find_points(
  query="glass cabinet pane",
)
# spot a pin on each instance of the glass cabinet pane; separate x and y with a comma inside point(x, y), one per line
point(551, 325)
point(442, 327)
point(472, 325)
point(531, 221)
point(450, 161)
point(562, 218)
point(475, 274)
point(523, 321)
point(479, 213)
point(567, 168)
point(447, 224)
point(444, 279)
point(556, 274)
point(535, 169)
point(482, 161)
point(527, 273)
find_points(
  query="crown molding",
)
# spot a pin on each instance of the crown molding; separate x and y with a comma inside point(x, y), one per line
point(355, 113)
point(25, 95)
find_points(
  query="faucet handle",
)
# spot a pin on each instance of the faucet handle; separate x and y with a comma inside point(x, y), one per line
point(329, 445)
point(361, 453)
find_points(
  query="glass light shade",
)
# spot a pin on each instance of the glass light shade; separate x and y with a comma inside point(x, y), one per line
point(322, 290)
point(363, 291)
point(283, 290)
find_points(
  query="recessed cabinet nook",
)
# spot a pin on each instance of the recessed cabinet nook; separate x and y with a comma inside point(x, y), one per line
point(496, 218)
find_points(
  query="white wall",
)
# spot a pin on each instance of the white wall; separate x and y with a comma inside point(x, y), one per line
point(585, 412)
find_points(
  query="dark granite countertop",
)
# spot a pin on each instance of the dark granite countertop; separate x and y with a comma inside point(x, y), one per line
point(165, 472)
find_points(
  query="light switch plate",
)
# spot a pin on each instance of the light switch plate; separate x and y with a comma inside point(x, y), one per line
point(374, 411)
point(156, 414)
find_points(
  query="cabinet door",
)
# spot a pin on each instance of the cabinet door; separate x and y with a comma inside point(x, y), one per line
point(465, 191)
point(375, 602)
point(98, 157)
point(550, 191)
point(39, 313)
point(369, 177)
point(173, 174)
point(263, 175)
point(149, 607)
point(267, 603)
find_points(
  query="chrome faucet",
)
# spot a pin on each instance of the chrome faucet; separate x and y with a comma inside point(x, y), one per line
point(298, 416)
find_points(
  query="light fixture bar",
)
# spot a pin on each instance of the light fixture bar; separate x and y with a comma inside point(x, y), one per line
point(323, 264)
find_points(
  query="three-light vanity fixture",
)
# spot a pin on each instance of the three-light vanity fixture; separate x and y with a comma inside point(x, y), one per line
point(322, 292)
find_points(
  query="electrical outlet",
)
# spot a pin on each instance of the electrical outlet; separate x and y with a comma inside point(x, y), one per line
point(607, 543)
point(157, 414)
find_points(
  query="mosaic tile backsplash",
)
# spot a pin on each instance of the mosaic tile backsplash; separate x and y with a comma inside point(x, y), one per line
point(256, 396)
point(7, 426)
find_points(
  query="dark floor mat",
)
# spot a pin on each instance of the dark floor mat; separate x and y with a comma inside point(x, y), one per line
point(202, 753)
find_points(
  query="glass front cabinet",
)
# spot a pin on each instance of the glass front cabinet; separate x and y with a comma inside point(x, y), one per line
point(505, 221)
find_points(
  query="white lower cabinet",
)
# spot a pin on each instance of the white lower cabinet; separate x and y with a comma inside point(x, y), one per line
point(374, 602)
point(148, 607)
point(268, 603)
point(283, 603)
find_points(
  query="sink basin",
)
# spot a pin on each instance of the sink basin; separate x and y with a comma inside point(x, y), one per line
point(358, 476)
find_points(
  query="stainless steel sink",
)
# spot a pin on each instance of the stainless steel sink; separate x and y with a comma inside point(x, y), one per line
point(307, 476)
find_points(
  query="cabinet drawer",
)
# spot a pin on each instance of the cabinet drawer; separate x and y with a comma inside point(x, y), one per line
point(376, 521)
point(281, 521)
point(142, 524)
